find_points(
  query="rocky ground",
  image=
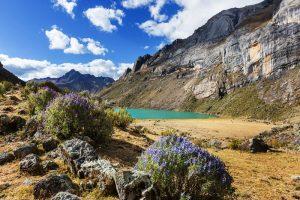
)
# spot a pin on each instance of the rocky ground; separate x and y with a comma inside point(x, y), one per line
point(39, 167)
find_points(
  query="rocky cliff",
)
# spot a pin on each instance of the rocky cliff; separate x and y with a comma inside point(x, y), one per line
point(255, 47)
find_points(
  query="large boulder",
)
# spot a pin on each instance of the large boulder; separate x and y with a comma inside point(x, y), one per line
point(53, 184)
point(25, 150)
point(65, 196)
point(11, 124)
point(49, 165)
point(6, 158)
point(31, 164)
point(75, 152)
point(50, 144)
point(258, 145)
point(102, 173)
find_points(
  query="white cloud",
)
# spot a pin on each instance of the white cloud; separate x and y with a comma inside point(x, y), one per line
point(28, 69)
point(146, 47)
point(135, 3)
point(67, 5)
point(192, 15)
point(102, 17)
point(95, 47)
point(155, 11)
point(72, 45)
point(57, 39)
point(75, 47)
point(160, 46)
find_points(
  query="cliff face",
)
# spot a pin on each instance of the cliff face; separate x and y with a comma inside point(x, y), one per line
point(256, 44)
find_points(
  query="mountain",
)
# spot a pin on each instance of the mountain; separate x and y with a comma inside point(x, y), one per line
point(243, 61)
point(5, 75)
point(76, 81)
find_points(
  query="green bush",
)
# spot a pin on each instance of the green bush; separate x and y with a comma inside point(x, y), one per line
point(235, 144)
point(120, 118)
point(5, 86)
point(37, 102)
point(50, 85)
point(72, 115)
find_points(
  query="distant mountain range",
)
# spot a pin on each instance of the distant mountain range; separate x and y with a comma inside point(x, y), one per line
point(76, 81)
point(5, 75)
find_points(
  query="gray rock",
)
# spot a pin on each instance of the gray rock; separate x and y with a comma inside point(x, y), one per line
point(50, 144)
point(6, 158)
point(31, 126)
point(258, 145)
point(53, 184)
point(102, 172)
point(25, 150)
point(75, 152)
point(31, 164)
point(49, 165)
point(65, 196)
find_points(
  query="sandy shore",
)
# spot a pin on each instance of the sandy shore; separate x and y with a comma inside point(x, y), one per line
point(208, 128)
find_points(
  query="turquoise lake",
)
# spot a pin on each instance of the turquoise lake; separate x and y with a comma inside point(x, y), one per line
point(165, 114)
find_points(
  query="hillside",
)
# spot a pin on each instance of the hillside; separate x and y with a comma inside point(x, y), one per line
point(242, 62)
point(5, 75)
point(76, 81)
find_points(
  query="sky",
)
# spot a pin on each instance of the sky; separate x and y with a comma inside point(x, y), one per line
point(47, 38)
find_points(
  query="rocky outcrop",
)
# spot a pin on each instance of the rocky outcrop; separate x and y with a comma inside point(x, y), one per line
point(50, 144)
point(235, 48)
point(258, 145)
point(6, 158)
point(25, 150)
point(65, 196)
point(31, 164)
point(10, 124)
point(53, 184)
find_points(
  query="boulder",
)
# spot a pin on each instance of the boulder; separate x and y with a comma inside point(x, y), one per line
point(65, 196)
point(49, 165)
point(258, 145)
point(6, 158)
point(31, 164)
point(25, 150)
point(50, 144)
point(4, 123)
point(102, 173)
point(31, 126)
point(16, 123)
point(75, 152)
point(53, 184)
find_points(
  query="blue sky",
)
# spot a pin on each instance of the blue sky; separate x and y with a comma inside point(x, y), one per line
point(42, 38)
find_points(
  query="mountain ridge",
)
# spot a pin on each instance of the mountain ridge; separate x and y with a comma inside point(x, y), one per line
point(5, 75)
point(76, 81)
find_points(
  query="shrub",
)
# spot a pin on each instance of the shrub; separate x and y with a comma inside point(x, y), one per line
point(37, 102)
point(50, 85)
point(182, 170)
point(121, 118)
point(71, 115)
point(5, 86)
point(235, 144)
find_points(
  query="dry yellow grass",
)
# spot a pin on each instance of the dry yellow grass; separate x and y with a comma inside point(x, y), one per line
point(208, 128)
point(265, 176)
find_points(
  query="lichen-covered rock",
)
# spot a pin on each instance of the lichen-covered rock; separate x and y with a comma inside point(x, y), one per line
point(50, 144)
point(75, 152)
point(49, 165)
point(10, 124)
point(53, 184)
point(258, 145)
point(31, 164)
point(65, 196)
point(25, 150)
point(102, 172)
point(6, 158)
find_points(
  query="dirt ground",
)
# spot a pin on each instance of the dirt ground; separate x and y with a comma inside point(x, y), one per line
point(208, 128)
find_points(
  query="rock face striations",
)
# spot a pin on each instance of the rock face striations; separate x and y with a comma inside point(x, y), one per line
point(234, 49)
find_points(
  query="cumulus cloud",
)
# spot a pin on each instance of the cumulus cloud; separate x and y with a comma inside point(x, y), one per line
point(160, 46)
point(102, 17)
point(67, 5)
point(135, 3)
point(28, 69)
point(146, 47)
point(71, 45)
point(192, 15)
point(94, 46)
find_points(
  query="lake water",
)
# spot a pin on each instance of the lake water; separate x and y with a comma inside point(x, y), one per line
point(165, 114)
